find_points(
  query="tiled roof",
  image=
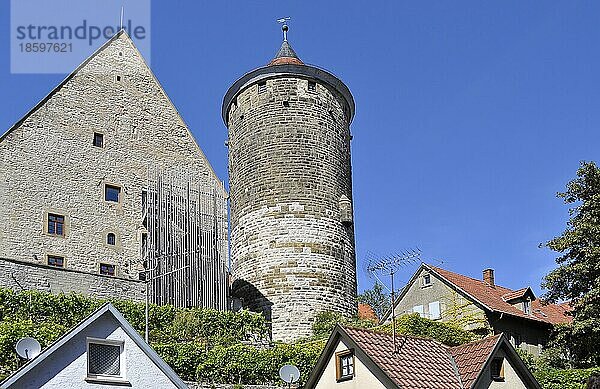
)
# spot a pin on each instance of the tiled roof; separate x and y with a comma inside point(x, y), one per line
point(492, 298)
point(286, 55)
point(514, 295)
point(420, 364)
point(470, 358)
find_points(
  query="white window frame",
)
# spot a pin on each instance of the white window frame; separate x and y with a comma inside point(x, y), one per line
point(420, 309)
point(439, 310)
point(423, 284)
point(121, 378)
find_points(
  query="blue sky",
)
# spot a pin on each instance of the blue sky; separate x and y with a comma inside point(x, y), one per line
point(470, 115)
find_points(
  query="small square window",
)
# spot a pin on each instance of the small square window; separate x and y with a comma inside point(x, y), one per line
point(107, 269)
point(118, 78)
point(312, 86)
point(426, 279)
point(55, 260)
point(497, 369)
point(111, 239)
point(104, 359)
point(56, 224)
point(112, 193)
point(262, 86)
point(344, 365)
point(98, 139)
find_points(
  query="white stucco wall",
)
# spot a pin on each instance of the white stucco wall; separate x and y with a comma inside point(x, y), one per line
point(363, 378)
point(67, 367)
point(511, 378)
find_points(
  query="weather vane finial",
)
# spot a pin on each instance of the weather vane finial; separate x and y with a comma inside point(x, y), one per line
point(285, 27)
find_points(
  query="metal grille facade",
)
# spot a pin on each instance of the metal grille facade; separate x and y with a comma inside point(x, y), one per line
point(186, 249)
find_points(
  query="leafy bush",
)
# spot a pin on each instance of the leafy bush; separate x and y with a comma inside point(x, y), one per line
point(246, 364)
point(181, 336)
point(325, 323)
point(562, 378)
point(413, 324)
point(182, 357)
point(11, 332)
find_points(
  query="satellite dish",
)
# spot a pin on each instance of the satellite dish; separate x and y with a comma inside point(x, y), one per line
point(289, 374)
point(28, 348)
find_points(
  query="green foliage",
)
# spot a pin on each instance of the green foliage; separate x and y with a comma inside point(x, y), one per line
point(553, 378)
point(564, 379)
point(183, 337)
point(325, 323)
point(577, 277)
point(379, 301)
point(529, 359)
point(413, 324)
point(11, 332)
point(446, 333)
point(183, 357)
point(246, 364)
point(464, 314)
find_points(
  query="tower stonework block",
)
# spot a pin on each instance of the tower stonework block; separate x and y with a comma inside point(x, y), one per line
point(292, 236)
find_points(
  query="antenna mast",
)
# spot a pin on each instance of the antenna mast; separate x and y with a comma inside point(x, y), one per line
point(390, 265)
point(122, 12)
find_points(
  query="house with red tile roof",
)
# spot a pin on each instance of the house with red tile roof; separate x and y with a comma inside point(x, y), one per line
point(356, 358)
point(480, 305)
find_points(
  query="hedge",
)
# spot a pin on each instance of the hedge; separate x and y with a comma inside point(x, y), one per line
point(564, 379)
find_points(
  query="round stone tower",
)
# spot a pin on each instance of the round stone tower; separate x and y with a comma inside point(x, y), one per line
point(292, 232)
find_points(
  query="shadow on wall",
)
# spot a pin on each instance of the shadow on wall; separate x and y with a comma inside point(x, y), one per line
point(245, 295)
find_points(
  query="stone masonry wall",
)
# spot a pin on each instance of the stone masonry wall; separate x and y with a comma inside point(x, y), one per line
point(289, 167)
point(31, 276)
point(49, 164)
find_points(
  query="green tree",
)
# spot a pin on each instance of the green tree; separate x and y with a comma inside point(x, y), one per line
point(577, 277)
point(379, 301)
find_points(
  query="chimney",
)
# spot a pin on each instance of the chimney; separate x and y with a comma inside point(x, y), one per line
point(488, 277)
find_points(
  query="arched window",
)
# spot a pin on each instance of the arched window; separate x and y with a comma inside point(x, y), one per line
point(111, 239)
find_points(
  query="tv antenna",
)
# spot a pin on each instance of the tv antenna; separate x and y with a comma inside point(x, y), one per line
point(28, 348)
point(284, 27)
point(390, 265)
point(289, 374)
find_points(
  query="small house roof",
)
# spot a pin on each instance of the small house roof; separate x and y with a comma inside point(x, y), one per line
point(129, 330)
point(420, 363)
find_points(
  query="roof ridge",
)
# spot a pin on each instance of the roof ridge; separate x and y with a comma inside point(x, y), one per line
point(472, 278)
point(487, 338)
point(410, 336)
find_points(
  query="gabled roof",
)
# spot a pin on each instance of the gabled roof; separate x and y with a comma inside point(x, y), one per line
point(492, 298)
point(129, 330)
point(471, 357)
point(420, 363)
point(74, 73)
point(519, 294)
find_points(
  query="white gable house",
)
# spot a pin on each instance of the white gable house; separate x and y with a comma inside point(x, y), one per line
point(103, 351)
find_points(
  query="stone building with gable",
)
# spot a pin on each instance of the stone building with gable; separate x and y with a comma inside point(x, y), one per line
point(103, 179)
